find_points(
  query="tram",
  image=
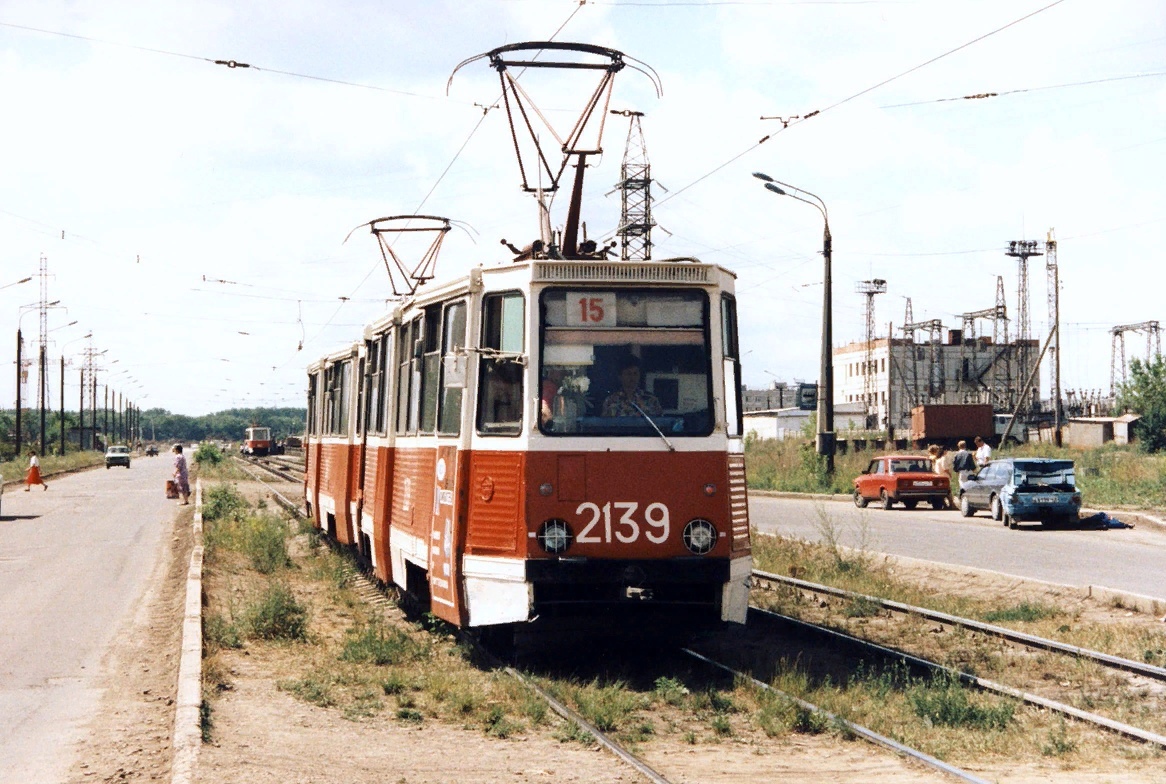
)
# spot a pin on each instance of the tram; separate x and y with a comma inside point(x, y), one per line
point(556, 435)
point(256, 441)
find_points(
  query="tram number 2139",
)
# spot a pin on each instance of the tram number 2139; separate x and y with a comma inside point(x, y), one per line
point(620, 521)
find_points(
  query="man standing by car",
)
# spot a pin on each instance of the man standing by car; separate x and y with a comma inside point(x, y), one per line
point(963, 462)
point(983, 453)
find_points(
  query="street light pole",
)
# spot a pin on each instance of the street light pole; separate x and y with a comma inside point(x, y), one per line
point(826, 434)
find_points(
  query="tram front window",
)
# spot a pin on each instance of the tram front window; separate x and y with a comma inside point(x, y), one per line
point(625, 362)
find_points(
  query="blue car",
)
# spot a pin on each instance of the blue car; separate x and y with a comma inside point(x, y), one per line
point(1024, 489)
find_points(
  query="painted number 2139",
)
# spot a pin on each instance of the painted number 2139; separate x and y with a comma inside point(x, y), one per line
point(619, 521)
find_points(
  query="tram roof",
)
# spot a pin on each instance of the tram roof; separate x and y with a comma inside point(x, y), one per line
point(682, 271)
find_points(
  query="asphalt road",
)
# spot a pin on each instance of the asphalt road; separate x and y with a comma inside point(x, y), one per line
point(75, 562)
point(1124, 559)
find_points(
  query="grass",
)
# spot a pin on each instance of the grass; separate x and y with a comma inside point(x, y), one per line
point(14, 470)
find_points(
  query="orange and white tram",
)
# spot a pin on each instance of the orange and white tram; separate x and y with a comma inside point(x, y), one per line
point(543, 439)
point(256, 441)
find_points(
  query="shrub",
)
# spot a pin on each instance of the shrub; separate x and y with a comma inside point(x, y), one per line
point(277, 616)
point(265, 542)
point(208, 454)
point(223, 502)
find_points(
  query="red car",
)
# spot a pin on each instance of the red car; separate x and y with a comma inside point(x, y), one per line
point(901, 478)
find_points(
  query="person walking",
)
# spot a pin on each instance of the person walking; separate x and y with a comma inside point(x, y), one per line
point(181, 475)
point(963, 463)
point(33, 477)
point(943, 465)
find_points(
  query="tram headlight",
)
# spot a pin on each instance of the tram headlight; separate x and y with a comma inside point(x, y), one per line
point(555, 536)
point(700, 536)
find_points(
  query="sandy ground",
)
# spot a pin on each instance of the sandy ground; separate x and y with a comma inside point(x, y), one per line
point(263, 734)
point(131, 738)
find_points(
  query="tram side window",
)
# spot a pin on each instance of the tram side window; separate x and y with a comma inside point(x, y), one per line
point(500, 395)
point(313, 401)
point(340, 375)
point(431, 367)
point(384, 405)
point(453, 368)
point(734, 424)
point(407, 338)
point(374, 386)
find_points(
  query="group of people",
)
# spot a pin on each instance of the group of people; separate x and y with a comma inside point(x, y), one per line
point(963, 462)
point(181, 473)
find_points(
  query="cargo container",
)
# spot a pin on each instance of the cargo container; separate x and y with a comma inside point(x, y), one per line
point(947, 424)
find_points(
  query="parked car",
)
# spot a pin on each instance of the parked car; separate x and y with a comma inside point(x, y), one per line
point(1023, 489)
point(908, 479)
point(117, 455)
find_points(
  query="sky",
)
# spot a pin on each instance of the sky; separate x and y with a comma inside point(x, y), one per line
point(193, 216)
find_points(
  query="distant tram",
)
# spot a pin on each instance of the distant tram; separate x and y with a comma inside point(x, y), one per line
point(554, 437)
point(256, 442)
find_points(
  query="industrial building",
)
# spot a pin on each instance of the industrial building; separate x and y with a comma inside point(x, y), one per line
point(892, 375)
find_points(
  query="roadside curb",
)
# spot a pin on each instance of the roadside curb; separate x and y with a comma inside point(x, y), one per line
point(1131, 601)
point(188, 705)
point(1121, 514)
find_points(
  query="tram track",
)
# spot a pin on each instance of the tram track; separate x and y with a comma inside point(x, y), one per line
point(1012, 635)
point(373, 594)
point(841, 638)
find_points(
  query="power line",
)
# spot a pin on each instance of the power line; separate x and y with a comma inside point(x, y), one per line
point(982, 96)
point(860, 93)
point(231, 64)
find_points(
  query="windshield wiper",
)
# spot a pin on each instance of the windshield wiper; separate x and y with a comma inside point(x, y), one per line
point(659, 432)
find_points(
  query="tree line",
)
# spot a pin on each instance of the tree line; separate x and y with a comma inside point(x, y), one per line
point(155, 424)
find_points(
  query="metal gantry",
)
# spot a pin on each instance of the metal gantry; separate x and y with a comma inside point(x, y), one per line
point(1153, 332)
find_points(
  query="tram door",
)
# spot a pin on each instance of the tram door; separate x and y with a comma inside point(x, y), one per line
point(444, 536)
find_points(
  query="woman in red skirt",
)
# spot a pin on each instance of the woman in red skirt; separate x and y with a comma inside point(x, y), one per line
point(33, 477)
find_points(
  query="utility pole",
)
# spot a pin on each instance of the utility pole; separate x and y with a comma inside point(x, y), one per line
point(62, 422)
point(1054, 293)
point(19, 367)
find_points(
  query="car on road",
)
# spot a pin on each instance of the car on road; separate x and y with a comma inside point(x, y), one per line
point(117, 455)
point(151, 451)
point(1024, 489)
point(906, 479)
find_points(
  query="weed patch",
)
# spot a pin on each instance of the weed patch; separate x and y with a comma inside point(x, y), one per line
point(945, 702)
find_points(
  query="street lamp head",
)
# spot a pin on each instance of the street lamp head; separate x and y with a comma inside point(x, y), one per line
point(763, 176)
point(769, 186)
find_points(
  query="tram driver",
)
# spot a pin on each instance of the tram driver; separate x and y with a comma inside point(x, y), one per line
point(625, 400)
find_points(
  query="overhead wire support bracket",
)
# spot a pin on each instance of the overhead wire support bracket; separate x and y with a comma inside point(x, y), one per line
point(405, 280)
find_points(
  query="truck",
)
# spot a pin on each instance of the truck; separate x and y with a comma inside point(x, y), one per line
point(946, 424)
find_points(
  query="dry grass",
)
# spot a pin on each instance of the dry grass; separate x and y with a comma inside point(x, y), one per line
point(1047, 613)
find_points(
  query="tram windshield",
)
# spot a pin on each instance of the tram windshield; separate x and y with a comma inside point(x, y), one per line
point(626, 362)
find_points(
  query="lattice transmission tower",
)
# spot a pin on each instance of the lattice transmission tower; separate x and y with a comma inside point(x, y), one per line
point(1022, 250)
point(635, 187)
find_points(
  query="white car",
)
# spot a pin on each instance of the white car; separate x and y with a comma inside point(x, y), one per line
point(117, 455)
